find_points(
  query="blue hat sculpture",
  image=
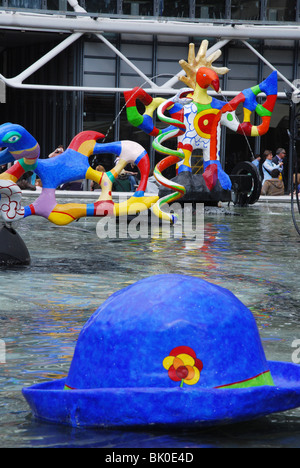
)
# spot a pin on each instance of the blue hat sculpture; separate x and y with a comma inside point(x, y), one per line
point(168, 350)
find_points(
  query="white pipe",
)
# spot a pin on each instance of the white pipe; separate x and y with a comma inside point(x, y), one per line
point(126, 60)
point(17, 82)
point(74, 4)
point(47, 57)
point(159, 90)
point(144, 26)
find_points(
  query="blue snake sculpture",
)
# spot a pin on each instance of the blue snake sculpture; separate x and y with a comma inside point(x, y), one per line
point(22, 149)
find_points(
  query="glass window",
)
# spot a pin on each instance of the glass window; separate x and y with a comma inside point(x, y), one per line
point(61, 5)
point(99, 113)
point(281, 10)
point(38, 4)
point(101, 6)
point(138, 7)
point(210, 9)
point(169, 8)
point(245, 9)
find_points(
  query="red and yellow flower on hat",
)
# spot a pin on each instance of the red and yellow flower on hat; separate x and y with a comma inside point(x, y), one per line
point(183, 365)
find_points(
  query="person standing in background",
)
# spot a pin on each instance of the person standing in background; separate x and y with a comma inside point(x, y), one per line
point(280, 157)
point(268, 165)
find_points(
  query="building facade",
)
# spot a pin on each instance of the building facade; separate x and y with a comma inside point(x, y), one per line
point(88, 52)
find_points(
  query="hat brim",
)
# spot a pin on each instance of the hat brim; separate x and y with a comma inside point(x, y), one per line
point(188, 406)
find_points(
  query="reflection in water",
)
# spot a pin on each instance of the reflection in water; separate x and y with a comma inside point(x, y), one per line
point(44, 306)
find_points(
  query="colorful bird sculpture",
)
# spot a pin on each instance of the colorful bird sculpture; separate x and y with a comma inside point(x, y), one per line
point(195, 118)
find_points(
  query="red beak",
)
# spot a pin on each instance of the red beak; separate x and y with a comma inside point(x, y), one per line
point(216, 84)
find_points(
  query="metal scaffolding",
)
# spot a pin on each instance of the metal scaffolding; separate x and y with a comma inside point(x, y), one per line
point(82, 24)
